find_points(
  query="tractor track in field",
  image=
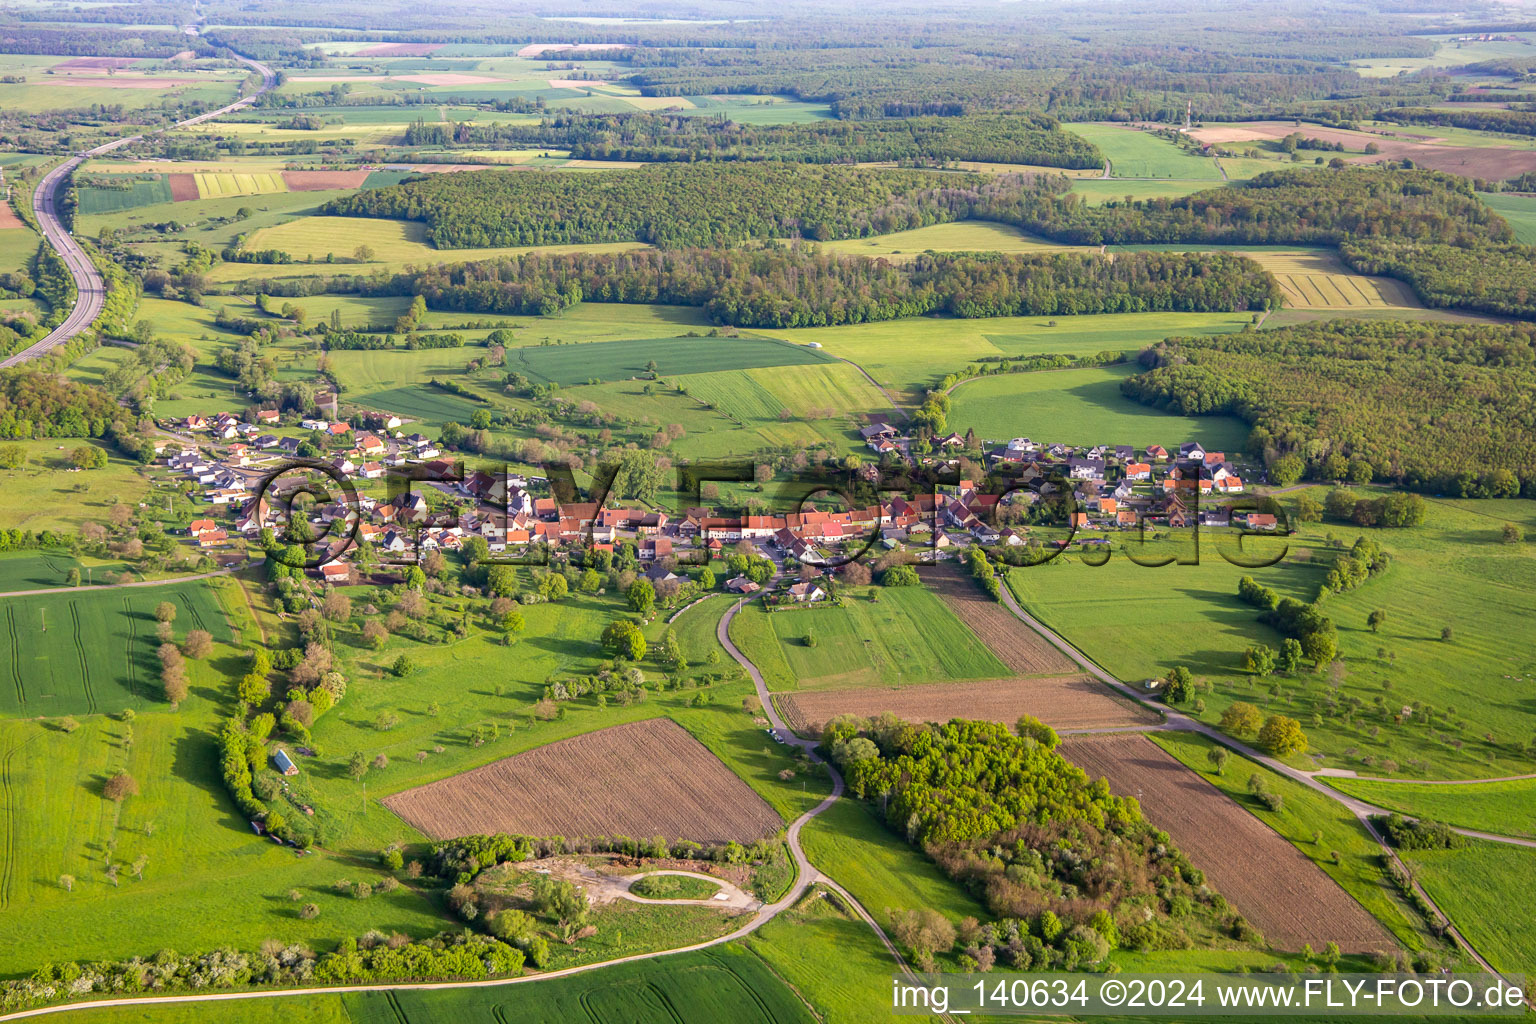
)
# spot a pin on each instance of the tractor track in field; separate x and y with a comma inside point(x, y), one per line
point(133, 634)
point(8, 798)
point(21, 690)
point(85, 665)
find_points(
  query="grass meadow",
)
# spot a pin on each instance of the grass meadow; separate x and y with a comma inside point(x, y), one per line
point(1503, 808)
point(1451, 572)
point(909, 356)
point(1479, 886)
point(1081, 407)
point(1137, 154)
point(908, 636)
point(619, 360)
point(1095, 191)
point(45, 493)
point(1519, 210)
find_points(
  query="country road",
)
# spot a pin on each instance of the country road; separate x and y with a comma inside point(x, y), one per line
point(91, 290)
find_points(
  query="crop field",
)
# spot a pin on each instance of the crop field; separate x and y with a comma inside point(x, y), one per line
point(617, 360)
point(1024, 651)
point(908, 356)
point(1476, 155)
point(1065, 703)
point(34, 570)
point(84, 652)
point(1315, 280)
point(1081, 407)
point(212, 185)
point(422, 403)
point(1137, 154)
point(639, 779)
point(907, 637)
point(1519, 210)
point(956, 236)
point(133, 192)
point(806, 405)
point(1503, 808)
point(1270, 882)
point(17, 244)
point(395, 243)
point(1479, 887)
point(724, 984)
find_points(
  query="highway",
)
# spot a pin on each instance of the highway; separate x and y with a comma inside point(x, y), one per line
point(91, 290)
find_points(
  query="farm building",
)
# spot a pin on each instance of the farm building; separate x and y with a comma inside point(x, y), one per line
point(284, 763)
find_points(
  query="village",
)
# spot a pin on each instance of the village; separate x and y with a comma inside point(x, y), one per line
point(1035, 498)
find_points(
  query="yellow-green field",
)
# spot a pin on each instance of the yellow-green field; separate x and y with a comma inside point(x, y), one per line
point(959, 236)
point(394, 244)
point(1320, 281)
point(255, 183)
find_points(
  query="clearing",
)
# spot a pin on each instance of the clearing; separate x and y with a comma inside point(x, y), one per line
point(638, 779)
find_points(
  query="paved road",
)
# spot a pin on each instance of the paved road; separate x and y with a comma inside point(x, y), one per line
point(92, 291)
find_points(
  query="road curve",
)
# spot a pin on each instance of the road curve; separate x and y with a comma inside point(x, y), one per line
point(91, 290)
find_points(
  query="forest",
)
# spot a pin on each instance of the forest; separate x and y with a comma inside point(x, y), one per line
point(797, 286)
point(669, 206)
point(1516, 122)
point(34, 404)
point(1438, 407)
point(1037, 840)
point(1019, 138)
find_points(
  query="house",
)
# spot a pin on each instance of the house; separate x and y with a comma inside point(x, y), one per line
point(196, 422)
point(337, 429)
point(1125, 453)
point(1085, 469)
point(212, 538)
point(1157, 453)
point(284, 763)
point(336, 572)
point(741, 585)
point(312, 424)
point(267, 416)
point(1192, 451)
point(372, 470)
point(201, 526)
point(1262, 521)
point(807, 593)
point(370, 444)
point(1138, 471)
point(877, 431)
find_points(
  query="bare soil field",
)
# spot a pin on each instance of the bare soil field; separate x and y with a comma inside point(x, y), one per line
point(446, 78)
point(183, 188)
point(1469, 161)
point(575, 83)
point(1271, 882)
point(1015, 644)
point(398, 50)
point(316, 181)
point(8, 218)
point(638, 779)
point(120, 82)
point(1062, 702)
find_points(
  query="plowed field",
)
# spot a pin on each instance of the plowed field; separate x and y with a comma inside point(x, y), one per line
point(1271, 882)
point(638, 779)
point(1018, 646)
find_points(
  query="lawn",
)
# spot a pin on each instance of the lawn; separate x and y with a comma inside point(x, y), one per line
point(1451, 572)
point(1503, 808)
point(909, 636)
point(908, 356)
point(1082, 407)
point(1482, 888)
point(1137, 154)
point(617, 360)
point(1303, 812)
point(94, 651)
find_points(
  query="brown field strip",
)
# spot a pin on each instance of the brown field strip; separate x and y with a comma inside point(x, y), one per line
point(315, 181)
point(1286, 896)
point(8, 218)
point(398, 49)
point(640, 779)
point(1015, 644)
point(1490, 162)
point(1062, 702)
point(183, 188)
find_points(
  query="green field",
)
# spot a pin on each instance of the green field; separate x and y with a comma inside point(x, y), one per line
point(50, 567)
point(1503, 808)
point(422, 402)
point(797, 406)
point(909, 636)
point(1519, 210)
point(1117, 190)
point(134, 192)
point(17, 247)
point(908, 356)
point(1190, 615)
point(94, 651)
point(43, 495)
point(572, 364)
point(1137, 154)
point(1481, 888)
point(1082, 407)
